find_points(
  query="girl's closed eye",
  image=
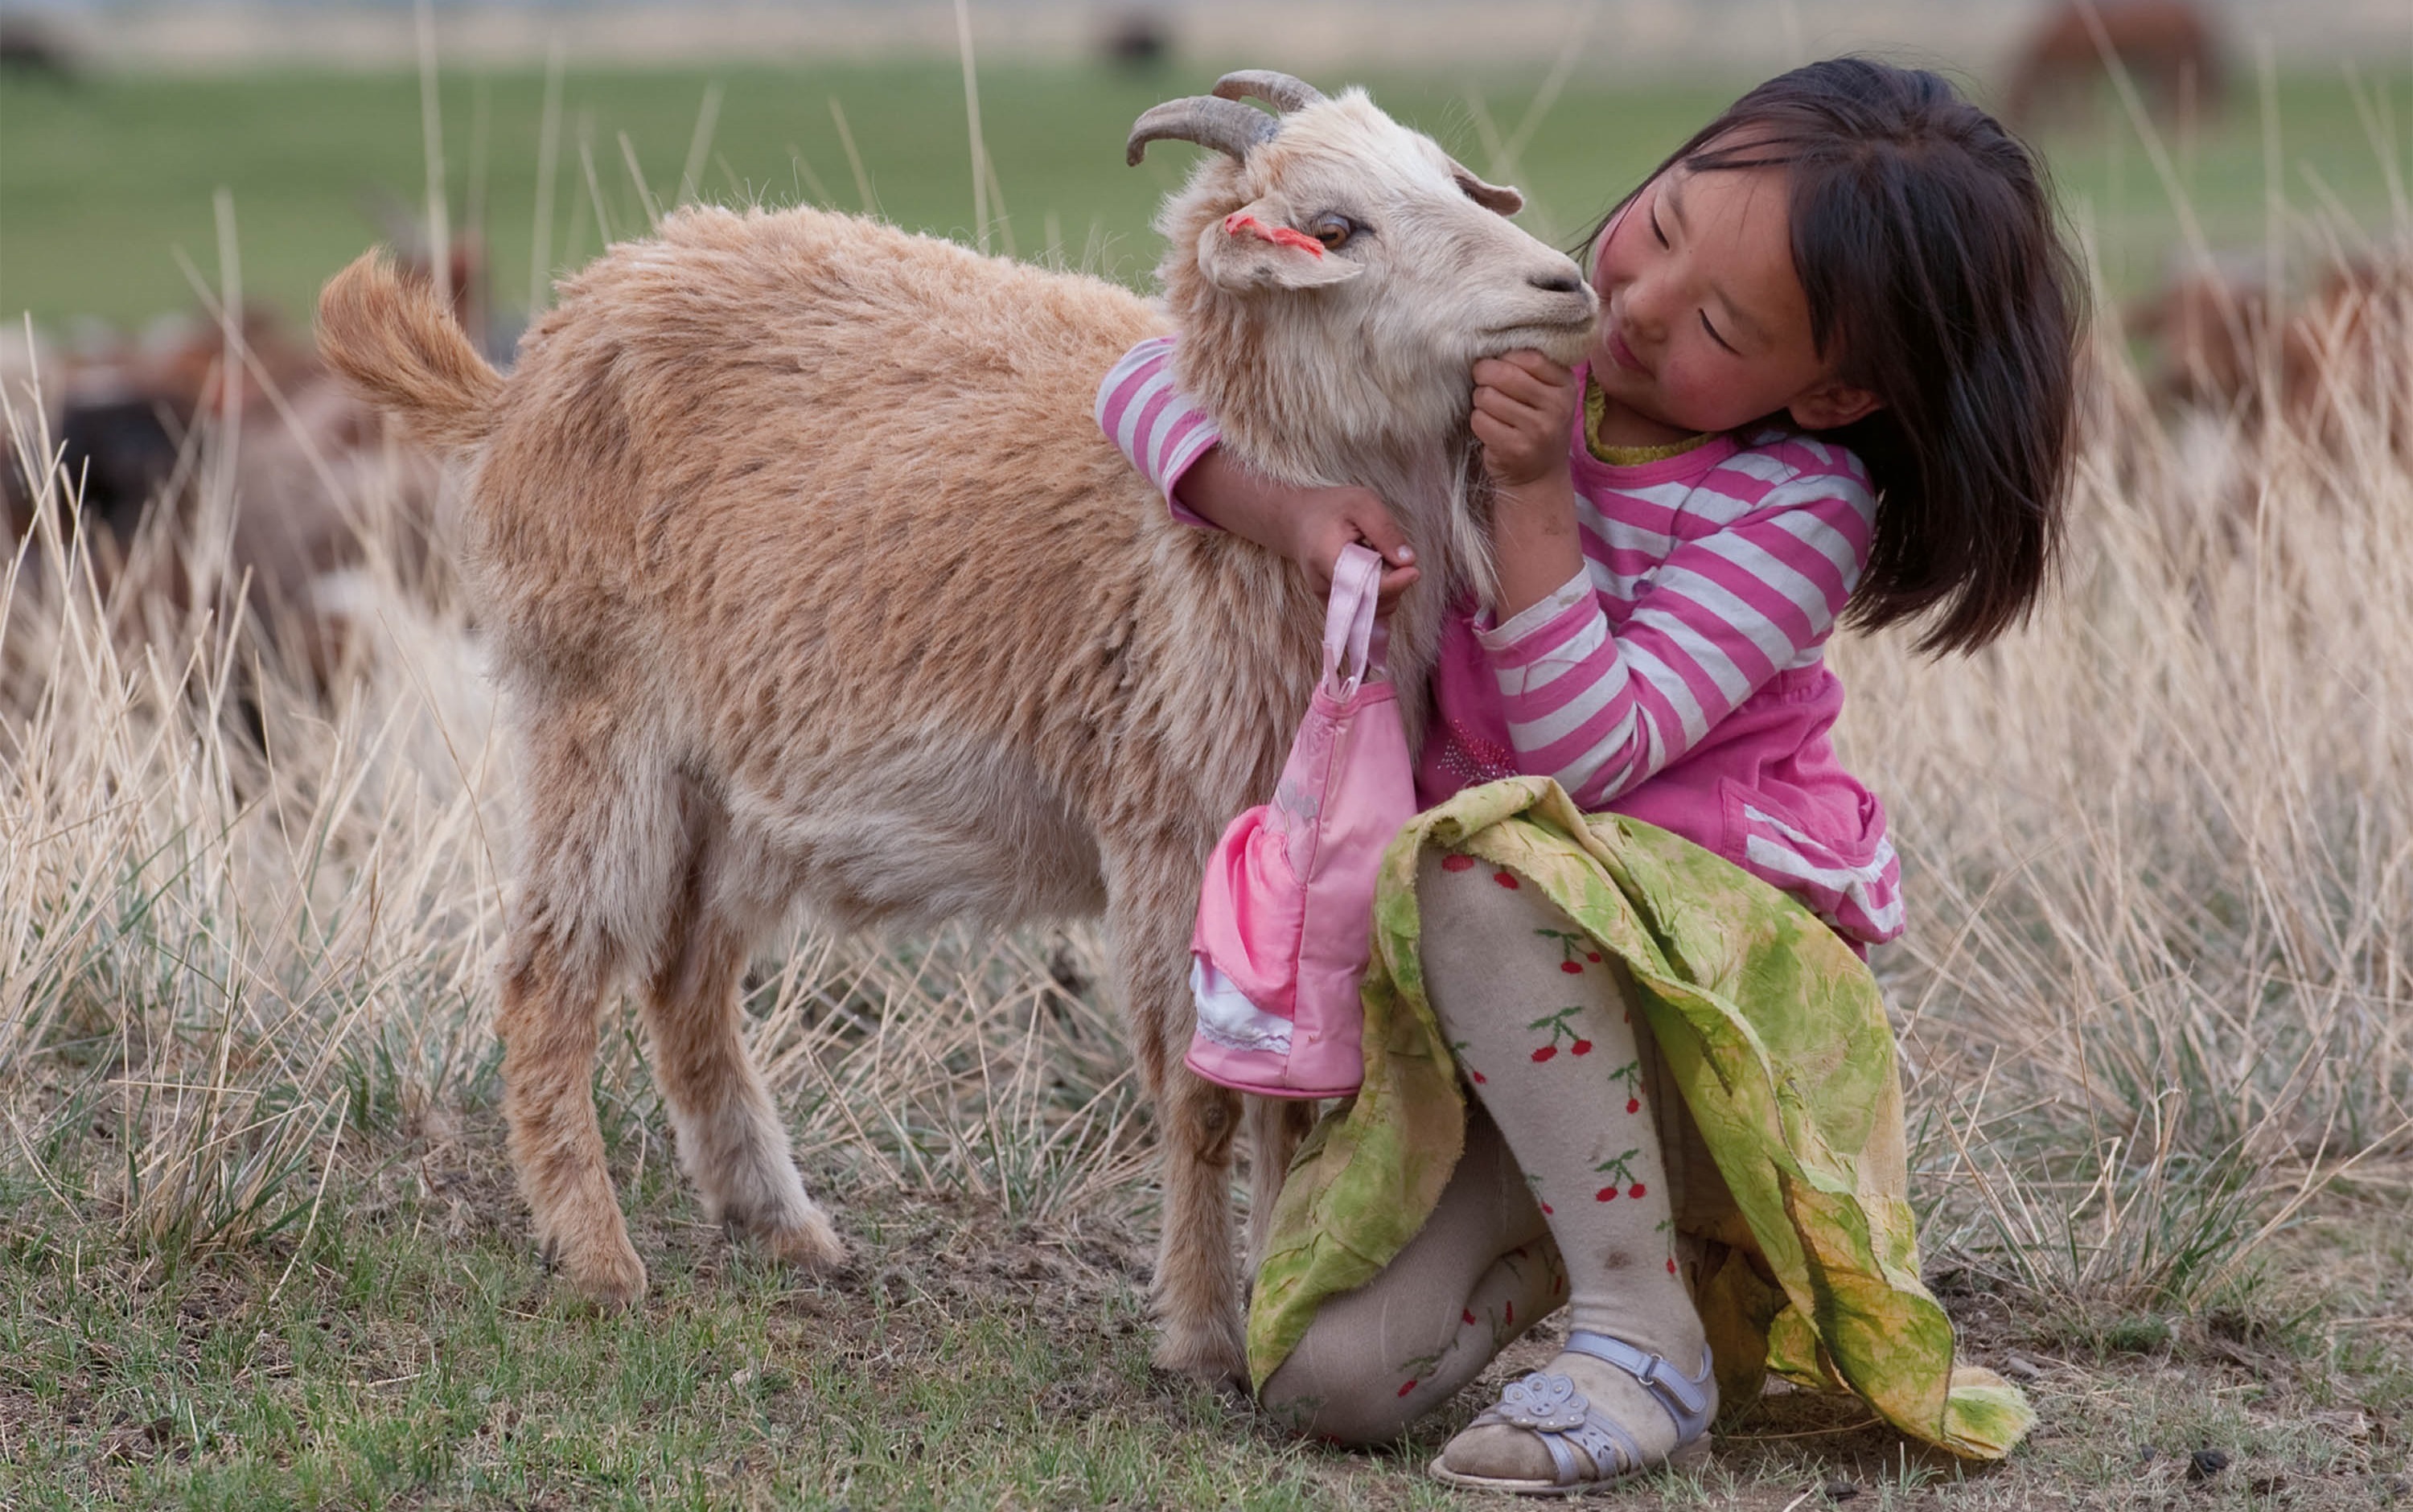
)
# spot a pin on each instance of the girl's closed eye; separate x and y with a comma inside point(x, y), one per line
point(1659, 232)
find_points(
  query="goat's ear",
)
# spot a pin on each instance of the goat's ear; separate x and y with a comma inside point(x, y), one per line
point(1493, 196)
point(1252, 248)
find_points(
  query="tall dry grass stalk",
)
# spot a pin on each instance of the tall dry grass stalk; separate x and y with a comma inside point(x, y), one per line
point(2160, 846)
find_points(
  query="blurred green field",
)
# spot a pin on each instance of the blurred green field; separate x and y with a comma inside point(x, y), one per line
point(101, 181)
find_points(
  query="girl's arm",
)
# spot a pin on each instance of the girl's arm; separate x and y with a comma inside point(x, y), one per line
point(1524, 404)
point(1175, 445)
point(1714, 618)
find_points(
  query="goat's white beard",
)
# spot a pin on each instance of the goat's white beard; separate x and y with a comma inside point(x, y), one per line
point(1470, 528)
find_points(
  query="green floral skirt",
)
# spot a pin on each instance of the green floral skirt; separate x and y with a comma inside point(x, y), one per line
point(1775, 1033)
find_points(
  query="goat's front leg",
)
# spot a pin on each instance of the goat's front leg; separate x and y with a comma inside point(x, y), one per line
point(1197, 1297)
point(1277, 1126)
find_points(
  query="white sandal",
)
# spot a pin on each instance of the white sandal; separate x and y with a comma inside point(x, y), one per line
point(1556, 1412)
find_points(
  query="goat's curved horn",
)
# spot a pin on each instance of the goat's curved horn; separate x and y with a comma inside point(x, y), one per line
point(1279, 90)
point(1223, 124)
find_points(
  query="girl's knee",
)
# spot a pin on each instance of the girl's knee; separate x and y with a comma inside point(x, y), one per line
point(1333, 1409)
point(1342, 1381)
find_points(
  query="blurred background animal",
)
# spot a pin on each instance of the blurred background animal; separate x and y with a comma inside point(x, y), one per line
point(2171, 49)
point(144, 431)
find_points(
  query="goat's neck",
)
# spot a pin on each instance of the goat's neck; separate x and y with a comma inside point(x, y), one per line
point(1295, 416)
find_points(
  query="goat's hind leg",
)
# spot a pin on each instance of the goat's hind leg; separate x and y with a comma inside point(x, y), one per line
point(731, 1141)
point(552, 993)
point(598, 865)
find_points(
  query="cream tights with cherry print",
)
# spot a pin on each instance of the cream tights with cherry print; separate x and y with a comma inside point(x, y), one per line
point(1544, 1030)
point(1479, 1273)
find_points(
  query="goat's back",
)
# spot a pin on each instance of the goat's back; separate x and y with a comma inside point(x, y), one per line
point(797, 424)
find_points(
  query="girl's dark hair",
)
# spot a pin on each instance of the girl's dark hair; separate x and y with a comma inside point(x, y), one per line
point(1923, 235)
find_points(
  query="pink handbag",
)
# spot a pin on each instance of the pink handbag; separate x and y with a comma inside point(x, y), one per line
point(1285, 915)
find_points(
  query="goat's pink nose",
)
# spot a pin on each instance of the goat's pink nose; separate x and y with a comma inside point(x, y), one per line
point(1557, 283)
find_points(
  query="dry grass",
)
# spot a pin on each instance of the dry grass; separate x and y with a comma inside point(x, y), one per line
point(2159, 990)
point(2160, 986)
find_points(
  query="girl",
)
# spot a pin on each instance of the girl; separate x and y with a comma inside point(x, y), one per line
point(1833, 381)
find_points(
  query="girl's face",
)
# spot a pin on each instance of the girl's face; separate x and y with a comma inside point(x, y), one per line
point(1704, 325)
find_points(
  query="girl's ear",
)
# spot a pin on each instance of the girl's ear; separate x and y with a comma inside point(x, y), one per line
point(1830, 405)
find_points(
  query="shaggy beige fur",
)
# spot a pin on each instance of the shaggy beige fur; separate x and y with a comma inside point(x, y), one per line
point(810, 576)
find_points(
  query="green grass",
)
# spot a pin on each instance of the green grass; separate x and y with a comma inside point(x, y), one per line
point(99, 183)
point(410, 1353)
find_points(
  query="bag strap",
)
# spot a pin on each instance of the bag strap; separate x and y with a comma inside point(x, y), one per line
point(1349, 620)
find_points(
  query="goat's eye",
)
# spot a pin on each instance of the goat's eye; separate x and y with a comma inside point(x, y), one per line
point(1332, 230)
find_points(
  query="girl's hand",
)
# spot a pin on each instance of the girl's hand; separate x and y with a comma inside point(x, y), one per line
point(1524, 405)
point(1309, 526)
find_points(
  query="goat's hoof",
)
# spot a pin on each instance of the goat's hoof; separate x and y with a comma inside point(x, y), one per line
point(611, 1277)
point(806, 1240)
point(1203, 1353)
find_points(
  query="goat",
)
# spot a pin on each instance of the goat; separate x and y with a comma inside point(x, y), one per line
point(2209, 329)
point(310, 479)
point(807, 571)
point(2167, 46)
point(2226, 344)
point(2350, 356)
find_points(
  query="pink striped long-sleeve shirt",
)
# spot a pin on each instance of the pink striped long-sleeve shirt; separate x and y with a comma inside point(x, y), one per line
point(1681, 677)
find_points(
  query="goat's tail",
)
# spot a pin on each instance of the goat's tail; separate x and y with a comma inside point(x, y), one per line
point(398, 346)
